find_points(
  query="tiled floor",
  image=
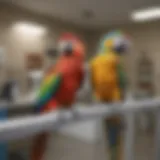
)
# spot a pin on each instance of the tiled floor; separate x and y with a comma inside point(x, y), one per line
point(144, 146)
point(67, 148)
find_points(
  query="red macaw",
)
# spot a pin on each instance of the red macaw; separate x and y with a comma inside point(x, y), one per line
point(60, 83)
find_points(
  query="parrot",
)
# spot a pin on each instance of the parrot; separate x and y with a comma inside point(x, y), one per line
point(109, 81)
point(60, 84)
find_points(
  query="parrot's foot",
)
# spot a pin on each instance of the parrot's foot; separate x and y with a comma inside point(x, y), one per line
point(66, 114)
point(62, 116)
point(74, 113)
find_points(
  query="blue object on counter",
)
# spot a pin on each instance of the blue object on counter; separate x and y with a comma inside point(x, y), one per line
point(3, 145)
point(7, 90)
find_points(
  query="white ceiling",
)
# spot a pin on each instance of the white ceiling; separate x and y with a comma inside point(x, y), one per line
point(106, 12)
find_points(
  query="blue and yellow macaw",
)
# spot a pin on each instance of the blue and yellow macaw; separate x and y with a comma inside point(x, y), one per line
point(108, 80)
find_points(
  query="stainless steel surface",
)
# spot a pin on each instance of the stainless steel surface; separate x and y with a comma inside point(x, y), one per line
point(20, 127)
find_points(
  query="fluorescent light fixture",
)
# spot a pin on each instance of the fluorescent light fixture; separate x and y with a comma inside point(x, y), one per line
point(146, 14)
point(29, 28)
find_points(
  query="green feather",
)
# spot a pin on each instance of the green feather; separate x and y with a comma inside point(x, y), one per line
point(121, 77)
point(46, 86)
point(48, 91)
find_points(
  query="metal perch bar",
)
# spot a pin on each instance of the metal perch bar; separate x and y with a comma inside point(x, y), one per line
point(17, 128)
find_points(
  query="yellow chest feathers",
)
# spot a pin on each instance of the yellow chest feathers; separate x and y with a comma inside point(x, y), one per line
point(104, 69)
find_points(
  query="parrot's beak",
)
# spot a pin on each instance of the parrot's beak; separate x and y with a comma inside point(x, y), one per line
point(68, 51)
point(121, 50)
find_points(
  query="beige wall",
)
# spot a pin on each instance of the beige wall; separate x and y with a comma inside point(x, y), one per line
point(18, 45)
point(145, 37)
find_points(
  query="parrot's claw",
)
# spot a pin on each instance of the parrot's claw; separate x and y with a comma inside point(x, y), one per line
point(65, 115)
point(74, 113)
point(62, 116)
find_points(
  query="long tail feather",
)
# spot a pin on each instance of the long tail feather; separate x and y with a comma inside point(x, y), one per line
point(114, 140)
point(39, 147)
